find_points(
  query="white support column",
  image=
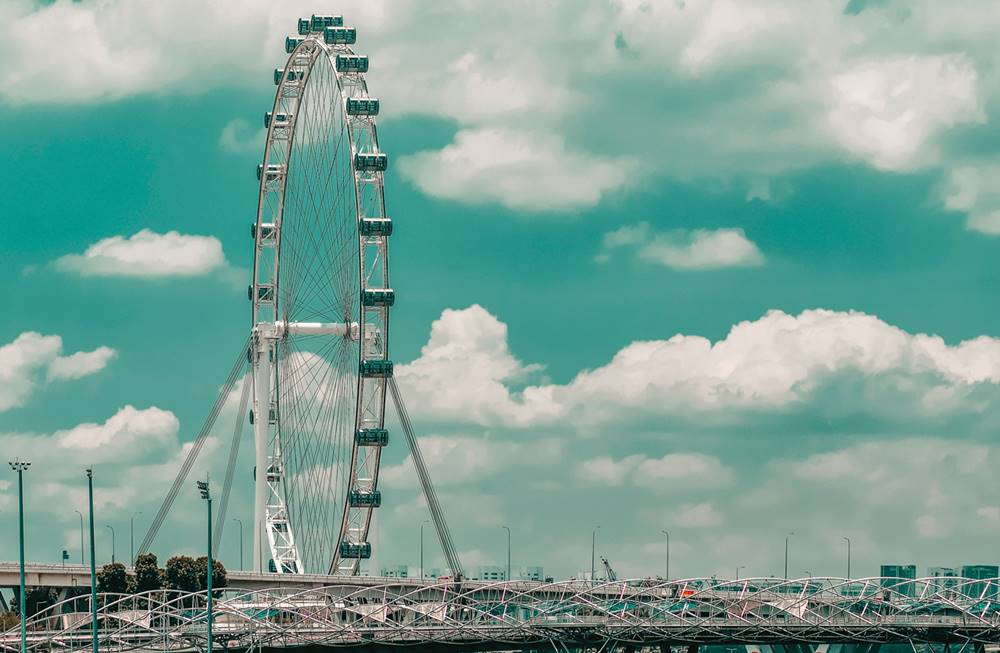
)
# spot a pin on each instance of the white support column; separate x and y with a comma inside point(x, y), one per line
point(261, 408)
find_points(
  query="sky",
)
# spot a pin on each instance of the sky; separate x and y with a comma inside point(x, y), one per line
point(725, 269)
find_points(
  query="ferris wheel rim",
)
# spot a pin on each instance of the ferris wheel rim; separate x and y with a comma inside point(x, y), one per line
point(316, 49)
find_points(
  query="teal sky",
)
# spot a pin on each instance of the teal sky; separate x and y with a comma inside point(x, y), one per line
point(810, 188)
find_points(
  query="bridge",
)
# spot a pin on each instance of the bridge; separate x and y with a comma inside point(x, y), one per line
point(369, 614)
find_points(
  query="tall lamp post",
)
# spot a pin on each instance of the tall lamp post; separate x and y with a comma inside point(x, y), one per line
point(131, 537)
point(667, 570)
point(426, 521)
point(786, 553)
point(203, 488)
point(112, 529)
point(20, 466)
point(81, 537)
point(241, 541)
point(593, 548)
point(848, 540)
point(93, 559)
point(508, 551)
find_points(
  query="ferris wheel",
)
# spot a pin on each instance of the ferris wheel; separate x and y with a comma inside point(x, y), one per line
point(320, 320)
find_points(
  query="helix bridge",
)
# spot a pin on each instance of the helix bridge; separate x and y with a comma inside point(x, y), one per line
point(952, 614)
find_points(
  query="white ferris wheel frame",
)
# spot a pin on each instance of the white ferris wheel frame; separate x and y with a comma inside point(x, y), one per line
point(271, 515)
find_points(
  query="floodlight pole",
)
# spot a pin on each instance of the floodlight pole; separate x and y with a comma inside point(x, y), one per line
point(93, 561)
point(20, 466)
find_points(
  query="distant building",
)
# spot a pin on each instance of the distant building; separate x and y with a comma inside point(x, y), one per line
point(892, 573)
point(945, 578)
point(531, 573)
point(409, 571)
point(489, 573)
point(983, 590)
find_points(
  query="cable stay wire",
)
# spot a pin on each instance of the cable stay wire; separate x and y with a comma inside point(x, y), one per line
point(168, 501)
point(437, 515)
point(234, 450)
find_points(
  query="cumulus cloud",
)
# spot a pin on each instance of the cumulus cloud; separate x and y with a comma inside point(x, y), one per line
point(699, 249)
point(518, 169)
point(888, 111)
point(147, 254)
point(32, 358)
point(777, 363)
point(683, 90)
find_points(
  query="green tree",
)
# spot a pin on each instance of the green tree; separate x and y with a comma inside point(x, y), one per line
point(182, 574)
point(113, 578)
point(37, 599)
point(147, 573)
point(219, 577)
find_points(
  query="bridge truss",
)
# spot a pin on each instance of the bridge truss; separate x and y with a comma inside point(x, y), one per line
point(959, 613)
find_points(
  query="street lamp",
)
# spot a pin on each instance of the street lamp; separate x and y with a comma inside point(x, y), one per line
point(112, 529)
point(20, 466)
point(426, 521)
point(93, 559)
point(508, 551)
point(203, 488)
point(848, 540)
point(241, 541)
point(131, 537)
point(738, 571)
point(667, 570)
point(81, 537)
point(593, 547)
point(786, 553)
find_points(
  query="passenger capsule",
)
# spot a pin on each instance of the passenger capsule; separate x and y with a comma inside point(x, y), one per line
point(340, 35)
point(371, 162)
point(319, 21)
point(352, 63)
point(376, 227)
point(267, 230)
point(358, 550)
point(279, 119)
point(377, 368)
point(291, 43)
point(378, 297)
point(304, 26)
point(372, 437)
point(362, 106)
point(292, 75)
point(274, 171)
point(359, 499)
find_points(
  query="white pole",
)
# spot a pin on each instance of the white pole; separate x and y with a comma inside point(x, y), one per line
point(261, 409)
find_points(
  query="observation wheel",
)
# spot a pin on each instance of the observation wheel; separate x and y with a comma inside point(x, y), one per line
point(320, 321)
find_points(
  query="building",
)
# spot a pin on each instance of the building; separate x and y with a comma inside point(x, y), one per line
point(895, 577)
point(984, 573)
point(531, 573)
point(409, 571)
point(489, 573)
point(945, 578)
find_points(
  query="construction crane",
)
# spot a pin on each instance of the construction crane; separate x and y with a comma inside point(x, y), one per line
point(608, 571)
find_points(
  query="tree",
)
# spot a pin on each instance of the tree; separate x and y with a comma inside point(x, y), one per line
point(147, 573)
point(182, 574)
point(38, 598)
point(219, 577)
point(113, 578)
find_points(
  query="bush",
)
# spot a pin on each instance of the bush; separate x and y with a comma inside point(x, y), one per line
point(113, 578)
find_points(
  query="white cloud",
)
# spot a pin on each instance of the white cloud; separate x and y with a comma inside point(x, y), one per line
point(707, 90)
point(699, 515)
point(240, 137)
point(80, 364)
point(147, 254)
point(974, 189)
point(23, 361)
point(775, 363)
point(989, 513)
point(129, 434)
point(700, 249)
point(518, 169)
point(889, 111)
point(669, 472)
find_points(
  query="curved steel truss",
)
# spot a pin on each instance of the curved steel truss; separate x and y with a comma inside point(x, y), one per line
point(479, 616)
